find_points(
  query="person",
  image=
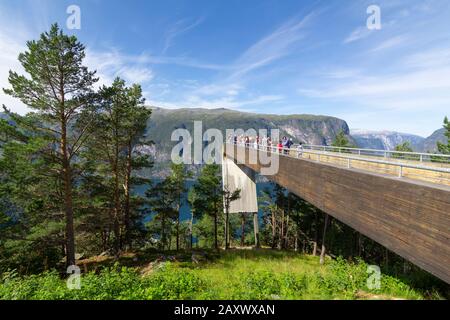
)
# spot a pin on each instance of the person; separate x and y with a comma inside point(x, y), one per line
point(280, 146)
point(235, 139)
point(289, 144)
point(300, 150)
point(285, 144)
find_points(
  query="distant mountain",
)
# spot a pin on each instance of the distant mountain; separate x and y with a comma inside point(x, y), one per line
point(430, 143)
point(311, 129)
point(385, 140)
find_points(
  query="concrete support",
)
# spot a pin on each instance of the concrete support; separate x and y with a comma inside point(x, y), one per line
point(242, 178)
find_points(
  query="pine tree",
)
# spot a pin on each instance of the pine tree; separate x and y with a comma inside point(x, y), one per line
point(58, 87)
point(210, 195)
point(135, 121)
point(114, 147)
point(177, 184)
point(404, 147)
point(31, 215)
point(341, 141)
point(228, 197)
point(162, 204)
point(442, 147)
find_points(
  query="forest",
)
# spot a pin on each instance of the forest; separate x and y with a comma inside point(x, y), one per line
point(72, 192)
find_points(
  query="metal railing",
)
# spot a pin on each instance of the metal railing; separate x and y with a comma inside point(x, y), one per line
point(392, 154)
point(350, 159)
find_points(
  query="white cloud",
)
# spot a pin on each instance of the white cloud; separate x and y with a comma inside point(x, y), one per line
point(358, 34)
point(272, 47)
point(180, 27)
point(228, 91)
point(385, 85)
point(340, 73)
point(231, 89)
point(111, 64)
point(229, 102)
point(390, 43)
point(436, 57)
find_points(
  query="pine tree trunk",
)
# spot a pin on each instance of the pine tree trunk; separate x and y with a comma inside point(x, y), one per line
point(322, 252)
point(68, 202)
point(227, 240)
point(163, 231)
point(178, 227)
point(274, 230)
point(216, 244)
point(116, 195)
point(191, 237)
point(286, 235)
point(116, 211)
point(281, 235)
point(126, 209)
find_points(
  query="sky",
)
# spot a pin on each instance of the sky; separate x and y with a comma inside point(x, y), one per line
point(264, 56)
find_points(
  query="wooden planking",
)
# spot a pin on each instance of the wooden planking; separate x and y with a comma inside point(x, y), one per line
point(392, 169)
point(409, 217)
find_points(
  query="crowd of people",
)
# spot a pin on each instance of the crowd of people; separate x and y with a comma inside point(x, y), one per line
point(281, 146)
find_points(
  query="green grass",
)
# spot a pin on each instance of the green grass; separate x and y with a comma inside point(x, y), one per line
point(244, 274)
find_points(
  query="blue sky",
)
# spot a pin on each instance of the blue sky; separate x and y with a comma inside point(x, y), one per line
point(284, 57)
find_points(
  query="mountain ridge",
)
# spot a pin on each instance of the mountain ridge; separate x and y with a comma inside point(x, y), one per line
point(307, 128)
point(388, 140)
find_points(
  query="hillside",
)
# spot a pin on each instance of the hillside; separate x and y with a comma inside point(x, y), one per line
point(236, 274)
point(385, 140)
point(430, 143)
point(310, 129)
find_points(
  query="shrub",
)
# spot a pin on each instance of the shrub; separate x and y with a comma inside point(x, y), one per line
point(172, 283)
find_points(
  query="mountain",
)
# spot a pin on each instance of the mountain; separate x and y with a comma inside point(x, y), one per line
point(385, 140)
point(430, 143)
point(309, 129)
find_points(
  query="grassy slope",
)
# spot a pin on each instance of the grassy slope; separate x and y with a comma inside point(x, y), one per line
point(241, 274)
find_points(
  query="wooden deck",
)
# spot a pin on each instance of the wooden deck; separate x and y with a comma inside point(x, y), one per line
point(410, 217)
point(389, 169)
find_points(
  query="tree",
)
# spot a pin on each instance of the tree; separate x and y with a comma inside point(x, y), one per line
point(209, 197)
point(114, 147)
point(135, 122)
point(228, 197)
point(177, 184)
point(193, 199)
point(58, 87)
point(442, 147)
point(324, 235)
point(404, 147)
point(341, 141)
point(161, 200)
point(270, 210)
point(31, 218)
